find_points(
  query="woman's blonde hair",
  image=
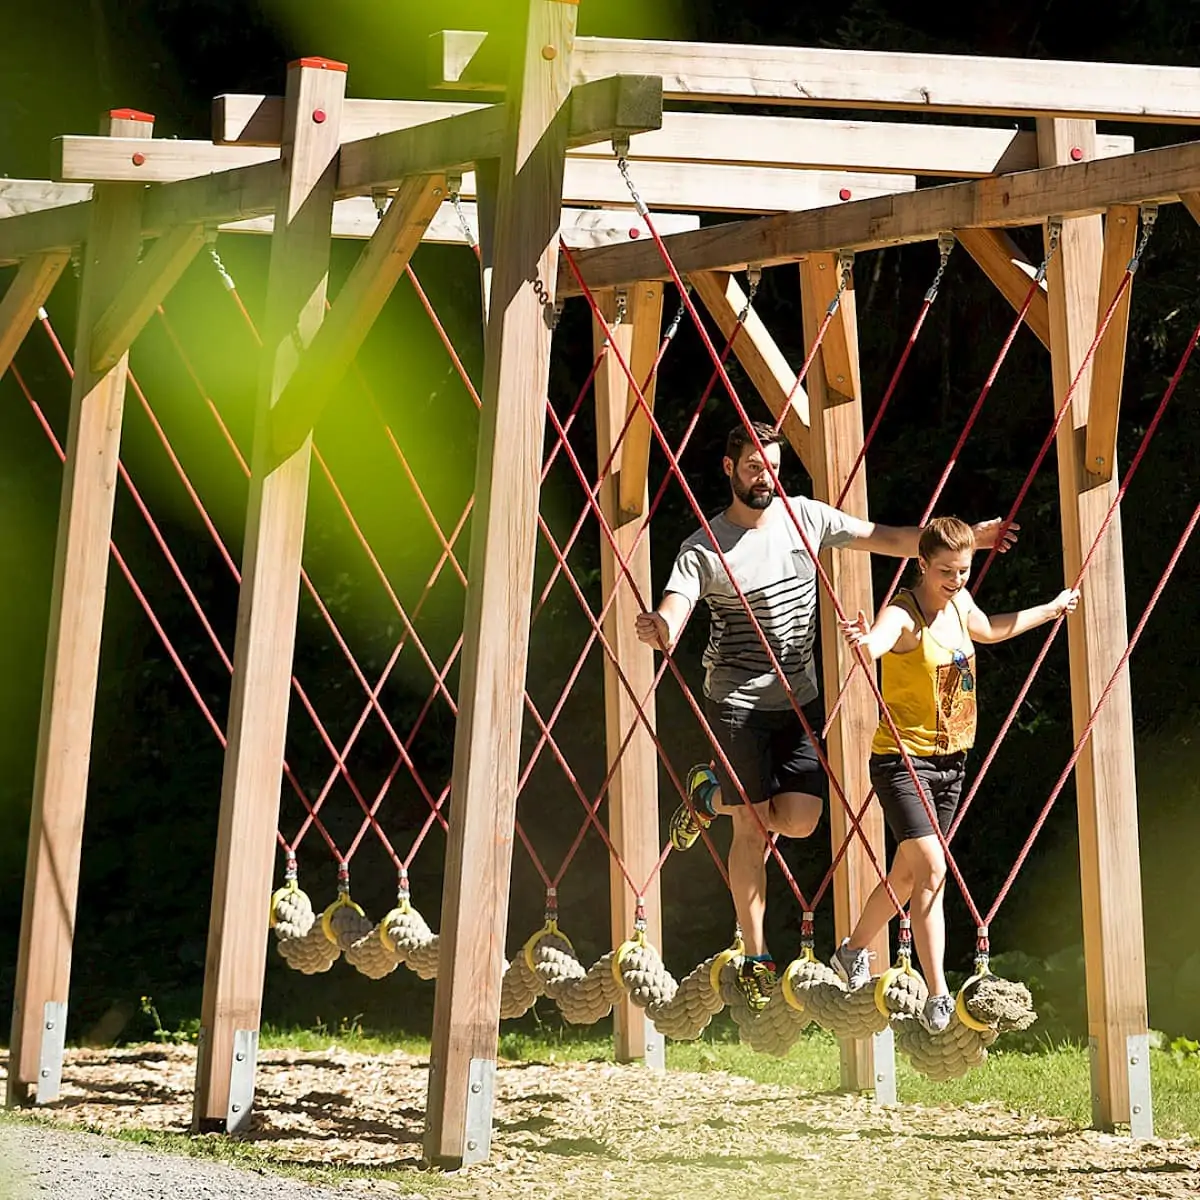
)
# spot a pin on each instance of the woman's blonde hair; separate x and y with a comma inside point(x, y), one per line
point(945, 533)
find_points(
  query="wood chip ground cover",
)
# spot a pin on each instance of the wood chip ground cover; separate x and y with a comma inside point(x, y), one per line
point(605, 1131)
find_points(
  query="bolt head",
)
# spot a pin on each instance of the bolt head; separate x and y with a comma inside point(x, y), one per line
point(844, 194)
point(49, 1024)
point(472, 1145)
point(549, 53)
point(477, 1088)
point(1076, 153)
point(841, 379)
point(138, 159)
point(318, 116)
point(1133, 1062)
point(45, 1074)
point(235, 1108)
point(239, 1057)
point(635, 232)
point(1137, 1108)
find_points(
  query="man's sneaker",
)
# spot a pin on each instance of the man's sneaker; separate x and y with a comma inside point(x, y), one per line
point(854, 966)
point(756, 982)
point(688, 820)
point(936, 1014)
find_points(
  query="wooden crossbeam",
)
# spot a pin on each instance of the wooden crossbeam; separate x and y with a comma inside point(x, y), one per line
point(212, 199)
point(143, 292)
point(820, 77)
point(40, 232)
point(360, 301)
point(25, 295)
point(760, 356)
point(1026, 198)
point(1108, 366)
point(161, 160)
point(1002, 261)
point(748, 141)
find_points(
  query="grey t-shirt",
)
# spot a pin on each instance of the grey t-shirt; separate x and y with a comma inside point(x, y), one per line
point(778, 578)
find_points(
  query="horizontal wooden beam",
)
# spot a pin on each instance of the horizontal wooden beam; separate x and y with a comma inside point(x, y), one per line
point(1027, 198)
point(25, 295)
point(46, 230)
point(154, 160)
point(212, 199)
point(816, 76)
point(959, 151)
point(1002, 261)
point(19, 196)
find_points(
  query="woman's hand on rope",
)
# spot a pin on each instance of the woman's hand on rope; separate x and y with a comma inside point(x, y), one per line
point(857, 630)
point(988, 534)
point(652, 628)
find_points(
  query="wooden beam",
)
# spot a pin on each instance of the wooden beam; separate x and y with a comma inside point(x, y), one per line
point(25, 295)
point(1191, 201)
point(810, 76)
point(162, 160)
point(837, 437)
point(145, 289)
point(19, 196)
point(231, 1007)
point(361, 300)
point(77, 594)
point(42, 232)
point(760, 356)
point(733, 138)
point(633, 789)
point(1002, 262)
point(499, 597)
point(644, 303)
point(213, 199)
point(1108, 366)
point(1077, 189)
point(1105, 783)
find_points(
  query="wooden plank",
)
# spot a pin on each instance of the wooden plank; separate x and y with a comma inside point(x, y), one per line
point(72, 645)
point(212, 199)
point(1108, 367)
point(1002, 262)
point(1106, 788)
point(749, 141)
point(145, 289)
point(496, 627)
point(1077, 189)
point(41, 232)
point(760, 356)
point(810, 76)
point(162, 160)
point(25, 295)
point(267, 604)
point(32, 195)
point(313, 385)
point(836, 439)
point(633, 790)
point(644, 303)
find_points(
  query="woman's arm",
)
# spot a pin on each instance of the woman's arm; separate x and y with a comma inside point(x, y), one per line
point(988, 630)
point(662, 627)
point(876, 640)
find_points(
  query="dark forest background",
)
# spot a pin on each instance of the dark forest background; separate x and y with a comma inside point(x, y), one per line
point(155, 779)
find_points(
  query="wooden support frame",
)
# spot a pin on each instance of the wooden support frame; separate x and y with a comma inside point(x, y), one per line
point(644, 311)
point(760, 356)
point(1105, 783)
point(809, 76)
point(1002, 261)
point(72, 653)
point(360, 301)
point(266, 622)
point(1108, 366)
point(25, 295)
point(633, 821)
point(836, 439)
point(499, 595)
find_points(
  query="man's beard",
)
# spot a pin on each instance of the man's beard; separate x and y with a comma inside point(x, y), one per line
point(751, 497)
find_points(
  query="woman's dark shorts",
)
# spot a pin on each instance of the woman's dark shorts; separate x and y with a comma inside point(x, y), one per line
point(768, 749)
point(941, 776)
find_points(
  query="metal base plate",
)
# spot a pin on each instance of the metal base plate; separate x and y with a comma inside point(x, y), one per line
point(481, 1087)
point(50, 1055)
point(883, 1047)
point(241, 1080)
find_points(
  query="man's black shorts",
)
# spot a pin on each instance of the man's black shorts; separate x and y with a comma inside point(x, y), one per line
point(768, 749)
point(941, 776)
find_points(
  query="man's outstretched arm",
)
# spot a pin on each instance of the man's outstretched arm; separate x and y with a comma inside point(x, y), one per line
point(900, 541)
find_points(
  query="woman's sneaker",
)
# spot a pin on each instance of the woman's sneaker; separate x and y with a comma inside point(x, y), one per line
point(756, 982)
point(936, 1014)
point(854, 966)
point(689, 820)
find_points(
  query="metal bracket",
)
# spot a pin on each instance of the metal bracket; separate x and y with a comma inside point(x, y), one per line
point(883, 1048)
point(481, 1087)
point(241, 1080)
point(1141, 1108)
point(50, 1055)
point(656, 1048)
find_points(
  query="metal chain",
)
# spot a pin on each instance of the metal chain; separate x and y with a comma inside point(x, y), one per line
point(1054, 238)
point(456, 202)
point(753, 279)
point(1149, 217)
point(226, 278)
point(946, 243)
point(621, 146)
point(846, 274)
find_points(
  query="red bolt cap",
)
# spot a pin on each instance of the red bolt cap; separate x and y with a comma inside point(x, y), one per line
point(1076, 153)
point(138, 159)
point(844, 194)
point(319, 115)
point(635, 232)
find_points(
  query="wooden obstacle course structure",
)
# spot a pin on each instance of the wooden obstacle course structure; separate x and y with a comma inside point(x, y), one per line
point(565, 97)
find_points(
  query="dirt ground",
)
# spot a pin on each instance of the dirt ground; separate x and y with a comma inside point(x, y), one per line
point(604, 1131)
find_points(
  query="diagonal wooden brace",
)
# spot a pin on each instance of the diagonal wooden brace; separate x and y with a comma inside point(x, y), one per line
point(1003, 262)
point(26, 294)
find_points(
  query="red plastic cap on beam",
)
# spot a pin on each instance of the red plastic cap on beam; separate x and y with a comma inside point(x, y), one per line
point(319, 64)
point(130, 114)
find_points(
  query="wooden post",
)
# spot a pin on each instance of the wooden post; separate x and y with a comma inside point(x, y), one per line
point(836, 439)
point(633, 790)
point(499, 596)
point(1105, 783)
point(266, 620)
point(73, 649)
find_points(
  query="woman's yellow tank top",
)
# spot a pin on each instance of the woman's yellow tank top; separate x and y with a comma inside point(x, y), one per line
point(930, 691)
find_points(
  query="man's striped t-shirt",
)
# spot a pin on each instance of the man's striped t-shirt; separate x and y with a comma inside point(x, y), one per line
point(777, 577)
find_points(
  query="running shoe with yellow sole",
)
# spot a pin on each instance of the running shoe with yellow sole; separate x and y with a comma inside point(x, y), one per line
point(756, 981)
point(690, 819)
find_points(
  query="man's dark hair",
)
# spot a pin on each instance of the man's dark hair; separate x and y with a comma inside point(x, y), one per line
point(739, 438)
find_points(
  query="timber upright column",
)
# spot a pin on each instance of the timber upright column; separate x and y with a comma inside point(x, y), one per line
point(267, 605)
point(633, 822)
point(496, 628)
point(1106, 787)
point(835, 414)
point(73, 647)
